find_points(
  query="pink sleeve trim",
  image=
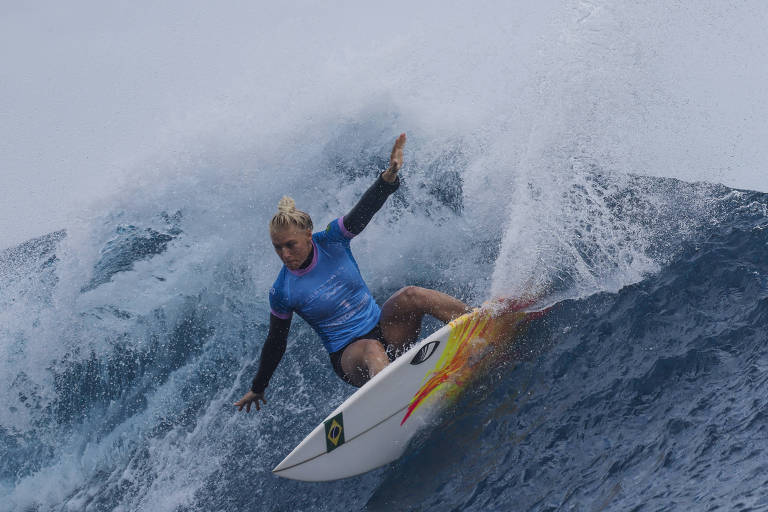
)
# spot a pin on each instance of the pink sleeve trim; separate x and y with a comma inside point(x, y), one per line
point(283, 316)
point(344, 231)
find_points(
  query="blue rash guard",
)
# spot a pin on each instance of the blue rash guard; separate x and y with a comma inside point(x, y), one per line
point(328, 291)
point(330, 294)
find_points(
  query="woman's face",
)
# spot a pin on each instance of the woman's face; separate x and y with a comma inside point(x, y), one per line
point(292, 245)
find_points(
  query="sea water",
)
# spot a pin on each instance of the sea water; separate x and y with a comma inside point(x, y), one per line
point(599, 156)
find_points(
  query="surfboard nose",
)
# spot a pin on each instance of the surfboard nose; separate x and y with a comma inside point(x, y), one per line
point(280, 467)
point(311, 447)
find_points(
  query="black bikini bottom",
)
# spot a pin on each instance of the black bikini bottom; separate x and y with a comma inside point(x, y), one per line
point(375, 334)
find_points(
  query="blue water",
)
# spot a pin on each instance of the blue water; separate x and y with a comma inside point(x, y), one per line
point(125, 339)
point(652, 398)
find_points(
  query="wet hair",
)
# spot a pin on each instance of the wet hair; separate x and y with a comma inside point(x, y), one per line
point(287, 215)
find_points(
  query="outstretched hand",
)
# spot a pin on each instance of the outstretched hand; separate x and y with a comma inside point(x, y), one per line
point(249, 398)
point(395, 160)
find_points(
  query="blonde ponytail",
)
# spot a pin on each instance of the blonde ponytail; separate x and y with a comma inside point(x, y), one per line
point(287, 215)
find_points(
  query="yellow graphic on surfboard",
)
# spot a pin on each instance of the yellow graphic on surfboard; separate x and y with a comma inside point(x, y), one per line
point(469, 348)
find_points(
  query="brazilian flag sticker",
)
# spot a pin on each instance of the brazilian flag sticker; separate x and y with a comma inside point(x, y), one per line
point(334, 432)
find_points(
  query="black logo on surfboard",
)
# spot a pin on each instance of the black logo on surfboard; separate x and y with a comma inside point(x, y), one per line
point(334, 432)
point(425, 351)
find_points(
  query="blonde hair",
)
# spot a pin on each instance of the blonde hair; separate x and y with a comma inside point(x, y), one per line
point(287, 215)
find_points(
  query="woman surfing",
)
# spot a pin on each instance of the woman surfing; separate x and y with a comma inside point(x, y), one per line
point(321, 282)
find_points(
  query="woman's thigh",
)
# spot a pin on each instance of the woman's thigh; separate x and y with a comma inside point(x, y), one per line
point(362, 360)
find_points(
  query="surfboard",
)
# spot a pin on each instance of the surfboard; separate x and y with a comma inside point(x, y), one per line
point(374, 426)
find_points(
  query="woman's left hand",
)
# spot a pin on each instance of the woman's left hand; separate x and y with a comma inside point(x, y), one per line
point(395, 160)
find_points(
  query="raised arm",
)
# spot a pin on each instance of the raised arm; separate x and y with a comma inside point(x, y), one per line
point(271, 354)
point(377, 194)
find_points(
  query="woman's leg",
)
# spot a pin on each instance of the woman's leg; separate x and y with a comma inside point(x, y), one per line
point(400, 324)
point(363, 359)
point(401, 315)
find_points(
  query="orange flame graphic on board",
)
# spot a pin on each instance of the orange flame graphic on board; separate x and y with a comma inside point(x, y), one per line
point(468, 347)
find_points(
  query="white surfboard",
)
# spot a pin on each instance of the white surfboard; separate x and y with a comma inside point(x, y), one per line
point(374, 426)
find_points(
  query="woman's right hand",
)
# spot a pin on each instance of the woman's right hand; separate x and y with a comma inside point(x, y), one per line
point(249, 398)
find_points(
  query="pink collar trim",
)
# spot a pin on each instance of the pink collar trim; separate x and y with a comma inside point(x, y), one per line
point(312, 265)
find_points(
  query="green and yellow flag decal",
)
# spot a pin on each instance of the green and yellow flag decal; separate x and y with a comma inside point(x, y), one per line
point(334, 432)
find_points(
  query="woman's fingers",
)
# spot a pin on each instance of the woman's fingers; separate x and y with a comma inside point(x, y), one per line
point(248, 400)
point(243, 402)
point(400, 142)
point(396, 158)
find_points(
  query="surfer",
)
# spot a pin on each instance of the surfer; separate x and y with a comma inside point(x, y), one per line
point(320, 280)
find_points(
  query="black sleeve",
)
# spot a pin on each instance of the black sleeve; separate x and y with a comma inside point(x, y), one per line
point(272, 352)
point(371, 202)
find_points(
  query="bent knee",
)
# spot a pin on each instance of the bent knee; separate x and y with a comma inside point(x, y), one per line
point(411, 296)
